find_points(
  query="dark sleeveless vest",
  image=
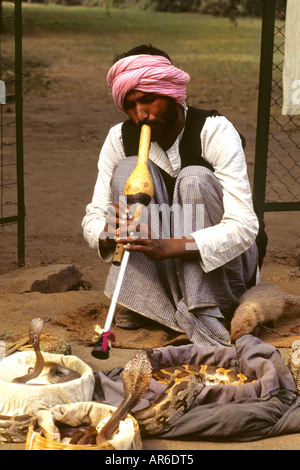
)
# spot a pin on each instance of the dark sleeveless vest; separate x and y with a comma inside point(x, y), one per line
point(190, 150)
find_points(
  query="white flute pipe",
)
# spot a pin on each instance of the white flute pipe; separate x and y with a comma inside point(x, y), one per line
point(114, 300)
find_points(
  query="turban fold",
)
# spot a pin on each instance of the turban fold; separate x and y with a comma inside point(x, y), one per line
point(149, 74)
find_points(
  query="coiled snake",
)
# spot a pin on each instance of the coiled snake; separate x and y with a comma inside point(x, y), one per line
point(184, 383)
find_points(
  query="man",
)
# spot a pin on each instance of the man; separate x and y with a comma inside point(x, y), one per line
point(189, 281)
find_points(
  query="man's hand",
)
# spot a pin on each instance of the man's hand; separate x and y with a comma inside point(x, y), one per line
point(121, 227)
point(158, 249)
point(117, 216)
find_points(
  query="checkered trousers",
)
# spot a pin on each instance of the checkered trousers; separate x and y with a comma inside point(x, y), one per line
point(177, 292)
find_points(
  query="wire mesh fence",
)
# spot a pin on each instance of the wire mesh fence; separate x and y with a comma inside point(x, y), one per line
point(11, 135)
point(283, 169)
point(277, 163)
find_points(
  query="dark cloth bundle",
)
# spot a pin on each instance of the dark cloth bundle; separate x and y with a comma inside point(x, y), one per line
point(267, 407)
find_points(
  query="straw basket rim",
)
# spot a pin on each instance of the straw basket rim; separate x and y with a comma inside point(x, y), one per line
point(35, 441)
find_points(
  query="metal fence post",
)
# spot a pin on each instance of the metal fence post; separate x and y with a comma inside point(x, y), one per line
point(12, 207)
point(19, 132)
point(264, 101)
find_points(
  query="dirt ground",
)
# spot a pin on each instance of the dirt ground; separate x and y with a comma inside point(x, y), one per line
point(65, 124)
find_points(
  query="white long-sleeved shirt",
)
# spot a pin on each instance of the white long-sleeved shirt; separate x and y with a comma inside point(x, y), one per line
point(221, 147)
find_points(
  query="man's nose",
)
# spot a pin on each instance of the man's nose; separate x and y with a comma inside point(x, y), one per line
point(141, 112)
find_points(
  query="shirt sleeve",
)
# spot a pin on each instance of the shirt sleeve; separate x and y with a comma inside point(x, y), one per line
point(94, 220)
point(219, 244)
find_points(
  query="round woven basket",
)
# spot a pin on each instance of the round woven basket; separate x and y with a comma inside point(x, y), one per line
point(36, 441)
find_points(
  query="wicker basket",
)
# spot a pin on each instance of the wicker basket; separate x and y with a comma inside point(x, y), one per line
point(36, 441)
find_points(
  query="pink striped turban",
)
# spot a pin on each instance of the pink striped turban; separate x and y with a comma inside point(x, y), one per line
point(149, 74)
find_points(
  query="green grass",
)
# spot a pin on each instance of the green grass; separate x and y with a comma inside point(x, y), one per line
point(223, 60)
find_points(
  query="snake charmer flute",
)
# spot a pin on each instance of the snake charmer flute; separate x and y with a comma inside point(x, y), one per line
point(139, 191)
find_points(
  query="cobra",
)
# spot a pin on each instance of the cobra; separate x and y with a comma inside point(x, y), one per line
point(57, 373)
point(136, 379)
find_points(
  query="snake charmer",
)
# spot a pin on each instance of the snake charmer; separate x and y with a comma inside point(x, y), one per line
point(198, 246)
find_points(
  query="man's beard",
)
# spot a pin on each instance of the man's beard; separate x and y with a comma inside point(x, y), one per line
point(161, 126)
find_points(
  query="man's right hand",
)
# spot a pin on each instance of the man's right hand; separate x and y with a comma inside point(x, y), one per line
point(117, 217)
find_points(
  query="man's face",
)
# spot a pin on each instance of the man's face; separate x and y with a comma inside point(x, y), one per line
point(159, 112)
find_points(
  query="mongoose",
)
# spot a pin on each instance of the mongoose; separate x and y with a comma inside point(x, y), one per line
point(262, 303)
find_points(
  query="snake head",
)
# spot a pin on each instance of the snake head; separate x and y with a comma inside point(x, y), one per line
point(137, 375)
point(35, 329)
